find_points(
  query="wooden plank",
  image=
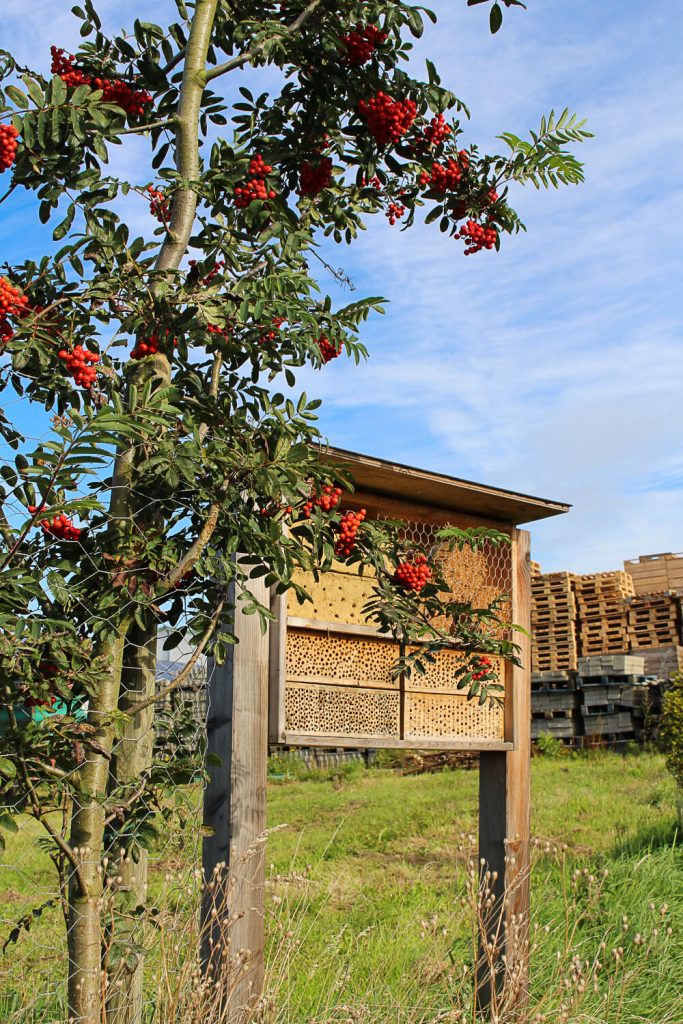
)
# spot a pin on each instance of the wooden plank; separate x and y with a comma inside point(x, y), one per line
point(504, 809)
point(323, 626)
point(277, 667)
point(391, 479)
point(235, 809)
point(299, 739)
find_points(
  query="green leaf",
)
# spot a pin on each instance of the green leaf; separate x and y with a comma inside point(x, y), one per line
point(7, 768)
point(495, 18)
point(17, 96)
point(61, 230)
point(7, 822)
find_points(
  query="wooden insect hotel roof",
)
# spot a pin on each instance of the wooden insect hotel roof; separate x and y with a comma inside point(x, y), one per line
point(393, 479)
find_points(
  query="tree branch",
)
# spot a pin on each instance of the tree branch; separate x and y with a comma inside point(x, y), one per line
point(203, 538)
point(255, 51)
point(185, 671)
point(187, 136)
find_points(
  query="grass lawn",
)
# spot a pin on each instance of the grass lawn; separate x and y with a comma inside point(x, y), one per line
point(365, 895)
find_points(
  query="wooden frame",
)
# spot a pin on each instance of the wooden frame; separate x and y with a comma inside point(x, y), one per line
point(238, 724)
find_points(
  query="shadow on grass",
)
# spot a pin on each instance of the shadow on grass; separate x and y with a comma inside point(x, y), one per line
point(665, 834)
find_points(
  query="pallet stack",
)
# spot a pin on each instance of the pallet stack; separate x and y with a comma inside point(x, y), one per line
point(661, 661)
point(553, 622)
point(618, 703)
point(608, 702)
point(600, 599)
point(555, 709)
point(656, 573)
point(654, 620)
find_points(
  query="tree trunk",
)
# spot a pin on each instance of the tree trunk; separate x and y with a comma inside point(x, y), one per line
point(85, 989)
point(132, 758)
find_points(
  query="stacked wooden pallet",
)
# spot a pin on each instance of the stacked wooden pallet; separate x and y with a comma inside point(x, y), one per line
point(661, 661)
point(554, 712)
point(618, 703)
point(656, 573)
point(609, 702)
point(654, 620)
point(600, 599)
point(553, 622)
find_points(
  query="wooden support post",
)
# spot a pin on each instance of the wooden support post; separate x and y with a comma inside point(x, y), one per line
point(504, 816)
point(235, 811)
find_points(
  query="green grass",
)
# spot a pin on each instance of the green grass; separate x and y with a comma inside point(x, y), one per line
point(365, 886)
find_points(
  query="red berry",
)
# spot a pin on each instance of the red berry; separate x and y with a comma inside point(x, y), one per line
point(327, 350)
point(360, 44)
point(8, 146)
point(312, 180)
point(413, 575)
point(77, 365)
point(387, 119)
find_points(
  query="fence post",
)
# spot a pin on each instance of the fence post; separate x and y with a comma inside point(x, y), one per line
point(504, 813)
point(235, 814)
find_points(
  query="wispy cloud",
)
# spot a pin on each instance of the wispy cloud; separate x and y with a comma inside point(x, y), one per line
point(554, 366)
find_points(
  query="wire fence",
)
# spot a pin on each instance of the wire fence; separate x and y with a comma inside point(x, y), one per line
point(155, 881)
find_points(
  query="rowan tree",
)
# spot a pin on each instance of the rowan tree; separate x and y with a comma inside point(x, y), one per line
point(181, 462)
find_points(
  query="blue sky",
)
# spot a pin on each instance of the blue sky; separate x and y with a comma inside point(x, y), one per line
point(555, 366)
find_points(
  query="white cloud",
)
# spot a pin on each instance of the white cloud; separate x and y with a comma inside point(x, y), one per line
point(553, 367)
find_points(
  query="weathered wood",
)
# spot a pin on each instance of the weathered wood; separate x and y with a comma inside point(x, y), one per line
point(233, 856)
point(300, 739)
point(504, 818)
point(276, 673)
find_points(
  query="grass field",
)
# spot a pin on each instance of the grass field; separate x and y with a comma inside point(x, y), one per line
point(366, 882)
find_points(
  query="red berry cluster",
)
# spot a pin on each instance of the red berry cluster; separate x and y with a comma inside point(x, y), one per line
point(312, 180)
point(146, 348)
point(8, 145)
point(373, 183)
point(327, 350)
point(255, 188)
point(133, 101)
point(387, 119)
point(36, 702)
point(160, 204)
point(361, 43)
point(436, 131)
point(445, 178)
point(216, 269)
point(348, 529)
point(492, 197)
point(477, 237)
point(59, 526)
point(268, 511)
point(482, 667)
point(413, 575)
point(78, 365)
point(273, 333)
point(395, 212)
point(12, 303)
point(225, 332)
point(327, 501)
point(150, 347)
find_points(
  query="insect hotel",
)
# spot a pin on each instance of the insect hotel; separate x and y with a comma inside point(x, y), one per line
point(331, 680)
point(324, 678)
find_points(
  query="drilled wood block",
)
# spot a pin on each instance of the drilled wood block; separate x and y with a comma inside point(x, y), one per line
point(353, 661)
point(337, 597)
point(449, 717)
point(441, 675)
point(341, 710)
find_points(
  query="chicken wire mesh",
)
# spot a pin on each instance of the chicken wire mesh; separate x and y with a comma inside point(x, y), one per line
point(160, 867)
point(475, 576)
